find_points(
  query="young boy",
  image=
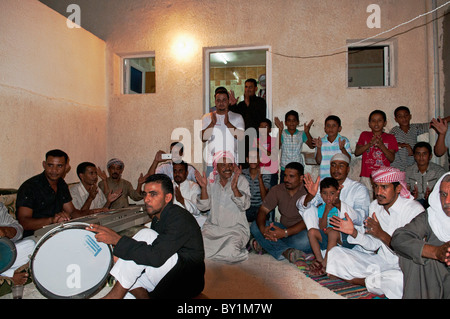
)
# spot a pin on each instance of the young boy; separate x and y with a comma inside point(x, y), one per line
point(423, 174)
point(291, 140)
point(266, 145)
point(330, 144)
point(406, 135)
point(376, 147)
point(259, 184)
point(322, 236)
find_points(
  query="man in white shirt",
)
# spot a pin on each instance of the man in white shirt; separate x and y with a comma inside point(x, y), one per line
point(353, 193)
point(221, 129)
point(86, 194)
point(372, 263)
point(186, 191)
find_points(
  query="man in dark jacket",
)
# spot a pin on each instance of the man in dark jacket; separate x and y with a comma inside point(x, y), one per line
point(165, 261)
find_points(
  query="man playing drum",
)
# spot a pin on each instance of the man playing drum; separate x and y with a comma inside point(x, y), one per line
point(165, 261)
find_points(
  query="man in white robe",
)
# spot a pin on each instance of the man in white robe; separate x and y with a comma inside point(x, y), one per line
point(186, 191)
point(424, 247)
point(373, 263)
point(226, 194)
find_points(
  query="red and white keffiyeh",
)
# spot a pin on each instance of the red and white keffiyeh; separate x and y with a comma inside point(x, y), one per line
point(392, 175)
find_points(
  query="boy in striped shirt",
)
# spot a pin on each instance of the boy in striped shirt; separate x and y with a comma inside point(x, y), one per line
point(330, 144)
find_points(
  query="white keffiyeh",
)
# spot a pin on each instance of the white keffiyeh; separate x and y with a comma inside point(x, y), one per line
point(438, 220)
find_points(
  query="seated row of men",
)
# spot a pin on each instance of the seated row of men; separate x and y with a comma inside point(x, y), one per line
point(392, 229)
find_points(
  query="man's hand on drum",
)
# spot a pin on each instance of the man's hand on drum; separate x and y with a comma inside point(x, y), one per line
point(60, 217)
point(104, 234)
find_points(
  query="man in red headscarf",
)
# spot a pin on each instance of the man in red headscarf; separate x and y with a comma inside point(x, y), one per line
point(372, 262)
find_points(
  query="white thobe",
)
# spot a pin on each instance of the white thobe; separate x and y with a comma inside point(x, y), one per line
point(80, 194)
point(371, 258)
point(226, 230)
point(190, 191)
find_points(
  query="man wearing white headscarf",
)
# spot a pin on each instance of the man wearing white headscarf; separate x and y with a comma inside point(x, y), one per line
point(372, 262)
point(226, 194)
point(424, 247)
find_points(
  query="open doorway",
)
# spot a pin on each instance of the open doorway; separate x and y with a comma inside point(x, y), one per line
point(231, 67)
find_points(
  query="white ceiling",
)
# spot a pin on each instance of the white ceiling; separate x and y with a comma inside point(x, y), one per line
point(238, 58)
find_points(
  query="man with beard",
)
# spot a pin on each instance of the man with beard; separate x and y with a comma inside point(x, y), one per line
point(353, 193)
point(226, 194)
point(186, 191)
point(45, 198)
point(86, 195)
point(165, 261)
point(116, 184)
point(289, 238)
point(424, 248)
point(372, 263)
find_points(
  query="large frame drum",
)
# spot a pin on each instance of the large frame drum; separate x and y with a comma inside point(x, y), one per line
point(69, 263)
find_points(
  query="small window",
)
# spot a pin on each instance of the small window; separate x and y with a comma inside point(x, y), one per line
point(139, 75)
point(369, 66)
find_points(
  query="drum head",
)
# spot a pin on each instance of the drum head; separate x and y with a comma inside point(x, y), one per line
point(69, 263)
point(8, 254)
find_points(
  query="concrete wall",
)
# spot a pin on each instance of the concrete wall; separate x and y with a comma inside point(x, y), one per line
point(52, 91)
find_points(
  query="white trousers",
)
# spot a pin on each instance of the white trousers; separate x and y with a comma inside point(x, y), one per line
point(131, 275)
point(24, 248)
point(381, 277)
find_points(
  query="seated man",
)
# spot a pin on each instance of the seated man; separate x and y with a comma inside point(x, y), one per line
point(423, 174)
point(11, 229)
point(166, 261)
point(226, 194)
point(176, 152)
point(424, 248)
point(116, 183)
point(186, 191)
point(86, 194)
point(289, 238)
point(372, 263)
point(45, 198)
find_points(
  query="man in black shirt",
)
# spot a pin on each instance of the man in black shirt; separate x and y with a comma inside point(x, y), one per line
point(166, 261)
point(45, 199)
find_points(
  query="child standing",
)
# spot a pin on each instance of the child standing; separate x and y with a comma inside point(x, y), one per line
point(291, 140)
point(406, 135)
point(331, 144)
point(376, 147)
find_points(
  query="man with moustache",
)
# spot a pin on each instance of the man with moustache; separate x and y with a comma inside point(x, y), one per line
point(116, 184)
point(226, 194)
point(86, 194)
point(287, 239)
point(353, 193)
point(372, 263)
point(163, 262)
point(45, 198)
point(186, 191)
point(424, 247)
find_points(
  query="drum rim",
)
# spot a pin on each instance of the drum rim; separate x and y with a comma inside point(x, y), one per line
point(9, 243)
point(82, 295)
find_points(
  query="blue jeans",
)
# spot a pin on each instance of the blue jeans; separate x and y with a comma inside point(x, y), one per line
point(298, 241)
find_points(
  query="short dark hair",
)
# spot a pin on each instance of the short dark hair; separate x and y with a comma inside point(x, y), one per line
point(81, 168)
point(221, 90)
point(269, 122)
point(378, 112)
point(164, 180)
point(56, 153)
point(182, 163)
point(179, 144)
point(333, 118)
point(328, 182)
point(252, 81)
point(423, 144)
point(401, 108)
point(292, 112)
point(297, 166)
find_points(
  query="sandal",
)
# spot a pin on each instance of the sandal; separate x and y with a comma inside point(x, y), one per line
point(293, 255)
point(256, 246)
